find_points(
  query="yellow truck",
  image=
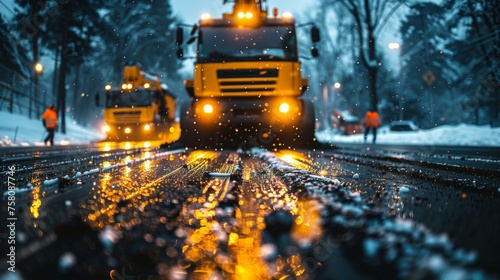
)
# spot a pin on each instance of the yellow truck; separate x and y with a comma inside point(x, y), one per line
point(141, 109)
point(247, 88)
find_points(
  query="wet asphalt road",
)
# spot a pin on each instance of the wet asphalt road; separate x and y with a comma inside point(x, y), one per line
point(144, 213)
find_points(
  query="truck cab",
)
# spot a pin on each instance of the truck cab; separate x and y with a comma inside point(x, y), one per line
point(247, 83)
point(141, 109)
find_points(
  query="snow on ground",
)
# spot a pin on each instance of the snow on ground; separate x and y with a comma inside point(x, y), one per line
point(453, 135)
point(30, 132)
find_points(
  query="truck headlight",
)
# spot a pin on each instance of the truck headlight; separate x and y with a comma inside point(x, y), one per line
point(284, 108)
point(208, 109)
point(128, 130)
point(147, 127)
point(205, 109)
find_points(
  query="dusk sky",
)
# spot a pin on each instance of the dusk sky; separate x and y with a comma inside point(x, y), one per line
point(190, 10)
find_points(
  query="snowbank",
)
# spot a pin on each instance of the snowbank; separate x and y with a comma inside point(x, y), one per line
point(18, 130)
point(454, 135)
point(30, 132)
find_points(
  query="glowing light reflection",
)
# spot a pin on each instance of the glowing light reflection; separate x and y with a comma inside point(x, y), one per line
point(36, 203)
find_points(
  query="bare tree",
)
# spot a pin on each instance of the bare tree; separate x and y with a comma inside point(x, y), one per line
point(72, 31)
point(369, 17)
point(478, 52)
point(337, 51)
point(148, 41)
point(28, 20)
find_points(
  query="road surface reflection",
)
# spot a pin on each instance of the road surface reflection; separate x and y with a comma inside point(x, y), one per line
point(220, 228)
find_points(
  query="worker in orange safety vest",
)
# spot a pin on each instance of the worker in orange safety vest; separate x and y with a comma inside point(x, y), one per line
point(371, 122)
point(50, 121)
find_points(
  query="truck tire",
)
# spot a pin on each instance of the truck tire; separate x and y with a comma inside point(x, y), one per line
point(305, 137)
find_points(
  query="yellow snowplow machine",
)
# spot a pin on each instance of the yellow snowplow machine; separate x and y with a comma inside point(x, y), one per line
point(247, 88)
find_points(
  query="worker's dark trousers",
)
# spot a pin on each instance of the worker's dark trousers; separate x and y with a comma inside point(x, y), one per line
point(367, 130)
point(50, 137)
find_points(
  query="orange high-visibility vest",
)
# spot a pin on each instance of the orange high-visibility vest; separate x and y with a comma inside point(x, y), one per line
point(371, 119)
point(50, 118)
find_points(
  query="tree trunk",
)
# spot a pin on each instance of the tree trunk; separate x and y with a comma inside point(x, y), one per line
point(372, 83)
point(479, 19)
point(55, 76)
point(61, 104)
point(476, 113)
point(76, 88)
point(34, 40)
point(372, 56)
point(496, 103)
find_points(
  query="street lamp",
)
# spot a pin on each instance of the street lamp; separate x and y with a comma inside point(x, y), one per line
point(397, 46)
point(394, 46)
point(38, 67)
point(38, 71)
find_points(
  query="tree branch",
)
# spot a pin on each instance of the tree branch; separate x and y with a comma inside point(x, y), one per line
point(378, 28)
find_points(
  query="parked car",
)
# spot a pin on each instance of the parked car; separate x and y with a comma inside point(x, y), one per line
point(403, 126)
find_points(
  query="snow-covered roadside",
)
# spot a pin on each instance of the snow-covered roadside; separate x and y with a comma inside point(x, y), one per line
point(17, 130)
point(30, 132)
point(454, 135)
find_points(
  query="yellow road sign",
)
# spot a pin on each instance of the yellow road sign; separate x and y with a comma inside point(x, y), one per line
point(429, 77)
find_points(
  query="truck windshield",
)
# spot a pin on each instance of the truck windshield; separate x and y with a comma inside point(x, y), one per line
point(128, 99)
point(217, 44)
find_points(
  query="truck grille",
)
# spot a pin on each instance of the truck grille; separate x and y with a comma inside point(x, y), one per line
point(247, 80)
point(127, 117)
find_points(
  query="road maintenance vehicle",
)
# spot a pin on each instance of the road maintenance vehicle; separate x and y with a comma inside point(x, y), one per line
point(247, 88)
point(140, 109)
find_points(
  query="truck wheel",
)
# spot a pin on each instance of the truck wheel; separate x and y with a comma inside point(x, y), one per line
point(305, 135)
point(189, 135)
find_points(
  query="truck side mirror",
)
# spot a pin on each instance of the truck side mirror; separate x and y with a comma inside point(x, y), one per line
point(193, 38)
point(194, 29)
point(97, 100)
point(315, 34)
point(180, 53)
point(314, 52)
point(179, 36)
